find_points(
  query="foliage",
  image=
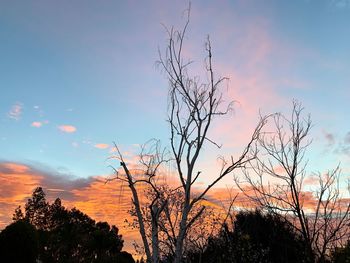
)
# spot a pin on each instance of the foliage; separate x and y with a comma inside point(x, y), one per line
point(18, 214)
point(19, 243)
point(37, 209)
point(256, 237)
point(71, 236)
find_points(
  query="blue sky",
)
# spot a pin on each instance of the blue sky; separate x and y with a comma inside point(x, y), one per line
point(91, 65)
point(77, 75)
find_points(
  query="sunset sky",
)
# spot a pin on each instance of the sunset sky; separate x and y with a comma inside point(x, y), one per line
point(75, 76)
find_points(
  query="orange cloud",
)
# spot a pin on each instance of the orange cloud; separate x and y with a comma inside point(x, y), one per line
point(15, 167)
point(102, 200)
point(36, 124)
point(101, 145)
point(94, 196)
point(223, 197)
point(67, 128)
point(16, 185)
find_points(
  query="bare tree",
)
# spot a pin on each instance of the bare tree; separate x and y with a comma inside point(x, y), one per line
point(192, 107)
point(152, 157)
point(275, 180)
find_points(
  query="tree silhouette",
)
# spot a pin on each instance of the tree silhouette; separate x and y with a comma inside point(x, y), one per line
point(36, 209)
point(193, 106)
point(19, 243)
point(67, 236)
point(75, 237)
point(341, 254)
point(276, 184)
point(255, 237)
point(18, 214)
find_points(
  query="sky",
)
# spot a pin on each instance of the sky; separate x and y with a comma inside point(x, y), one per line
point(76, 76)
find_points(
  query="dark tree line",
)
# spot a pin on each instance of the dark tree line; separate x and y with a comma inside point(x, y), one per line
point(53, 233)
point(261, 237)
point(254, 237)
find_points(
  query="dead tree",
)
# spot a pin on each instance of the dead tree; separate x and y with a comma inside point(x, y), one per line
point(192, 107)
point(275, 181)
point(151, 158)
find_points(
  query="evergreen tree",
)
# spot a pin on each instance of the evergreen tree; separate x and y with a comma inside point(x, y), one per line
point(18, 214)
point(70, 236)
point(36, 209)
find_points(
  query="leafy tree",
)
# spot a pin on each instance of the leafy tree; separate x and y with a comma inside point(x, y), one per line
point(19, 243)
point(272, 235)
point(70, 236)
point(75, 237)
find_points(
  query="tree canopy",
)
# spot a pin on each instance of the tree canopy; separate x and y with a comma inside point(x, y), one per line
point(254, 237)
point(53, 233)
point(19, 243)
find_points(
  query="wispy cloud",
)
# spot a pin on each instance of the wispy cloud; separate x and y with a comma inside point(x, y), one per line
point(67, 128)
point(311, 180)
point(344, 147)
point(339, 144)
point(36, 124)
point(347, 138)
point(15, 111)
point(101, 145)
point(38, 110)
point(330, 138)
point(340, 3)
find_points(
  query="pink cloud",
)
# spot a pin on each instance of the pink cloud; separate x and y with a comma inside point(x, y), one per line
point(311, 180)
point(101, 145)
point(67, 128)
point(16, 111)
point(36, 124)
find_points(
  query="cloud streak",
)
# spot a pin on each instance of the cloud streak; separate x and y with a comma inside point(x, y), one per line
point(36, 124)
point(67, 128)
point(94, 196)
point(15, 111)
point(101, 145)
